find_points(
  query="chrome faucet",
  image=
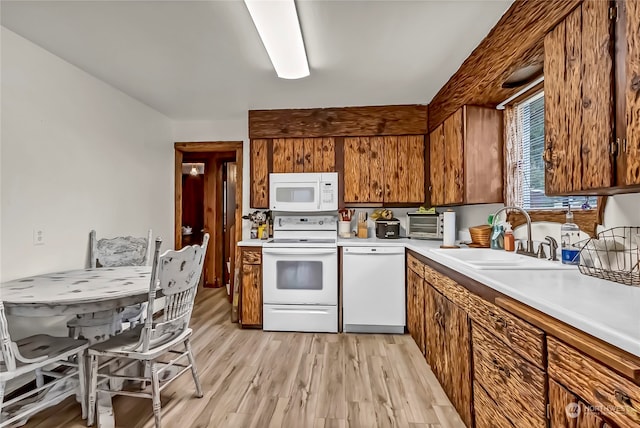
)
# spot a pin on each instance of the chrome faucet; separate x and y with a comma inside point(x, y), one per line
point(529, 251)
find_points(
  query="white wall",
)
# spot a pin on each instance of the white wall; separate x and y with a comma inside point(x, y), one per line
point(76, 154)
point(221, 130)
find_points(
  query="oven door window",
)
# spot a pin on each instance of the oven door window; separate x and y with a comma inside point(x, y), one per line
point(296, 194)
point(298, 275)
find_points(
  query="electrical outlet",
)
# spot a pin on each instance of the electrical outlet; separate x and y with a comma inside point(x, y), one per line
point(38, 237)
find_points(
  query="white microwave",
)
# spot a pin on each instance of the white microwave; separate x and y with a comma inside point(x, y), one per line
point(303, 192)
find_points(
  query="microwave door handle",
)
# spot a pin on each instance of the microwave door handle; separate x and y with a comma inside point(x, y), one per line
point(319, 195)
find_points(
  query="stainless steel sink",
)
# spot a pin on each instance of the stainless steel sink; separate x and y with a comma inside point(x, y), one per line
point(480, 258)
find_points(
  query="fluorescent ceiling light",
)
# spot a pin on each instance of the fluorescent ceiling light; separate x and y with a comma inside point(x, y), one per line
point(279, 28)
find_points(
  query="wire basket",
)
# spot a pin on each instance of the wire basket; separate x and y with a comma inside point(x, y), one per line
point(612, 255)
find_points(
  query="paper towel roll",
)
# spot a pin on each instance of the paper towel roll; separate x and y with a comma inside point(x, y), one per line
point(449, 229)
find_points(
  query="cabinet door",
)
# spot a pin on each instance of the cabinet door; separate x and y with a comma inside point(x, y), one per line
point(449, 349)
point(436, 166)
point(454, 159)
point(578, 101)
point(458, 352)
point(363, 169)
point(410, 170)
point(303, 155)
point(251, 300)
point(435, 338)
point(384, 169)
point(566, 411)
point(259, 173)
point(631, 149)
point(415, 308)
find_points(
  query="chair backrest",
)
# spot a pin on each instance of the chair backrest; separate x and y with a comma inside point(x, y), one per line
point(119, 251)
point(176, 274)
point(7, 355)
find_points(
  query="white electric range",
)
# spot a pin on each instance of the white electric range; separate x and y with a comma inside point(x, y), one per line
point(300, 274)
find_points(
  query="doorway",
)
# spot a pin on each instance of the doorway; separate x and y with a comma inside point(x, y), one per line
point(208, 199)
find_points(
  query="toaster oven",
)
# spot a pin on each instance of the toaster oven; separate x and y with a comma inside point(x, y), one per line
point(424, 226)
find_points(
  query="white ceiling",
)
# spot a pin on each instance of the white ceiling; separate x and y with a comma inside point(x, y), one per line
point(201, 60)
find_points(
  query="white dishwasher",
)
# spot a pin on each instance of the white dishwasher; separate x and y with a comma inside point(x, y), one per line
point(373, 290)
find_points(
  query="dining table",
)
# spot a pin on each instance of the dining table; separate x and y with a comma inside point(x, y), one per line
point(95, 296)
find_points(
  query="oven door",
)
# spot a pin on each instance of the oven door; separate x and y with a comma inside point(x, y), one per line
point(300, 276)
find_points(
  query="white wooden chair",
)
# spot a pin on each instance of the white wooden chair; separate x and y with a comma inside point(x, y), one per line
point(176, 275)
point(118, 251)
point(36, 354)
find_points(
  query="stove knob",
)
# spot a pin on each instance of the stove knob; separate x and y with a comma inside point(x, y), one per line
point(321, 222)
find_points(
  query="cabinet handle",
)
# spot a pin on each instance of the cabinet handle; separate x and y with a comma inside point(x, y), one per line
point(438, 318)
point(625, 400)
point(502, 370)
point(613, 147)
point(547, 157)
point(500, 322)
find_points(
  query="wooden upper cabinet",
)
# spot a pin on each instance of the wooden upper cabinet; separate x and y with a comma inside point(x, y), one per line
point(579, 108)
point(287, 155)
point(629, 167)
point(466, 159)
point(436, 160)
point(304, 155)
point(363, 169)
point(388, 169)
point(454, 159)
point(259, 173)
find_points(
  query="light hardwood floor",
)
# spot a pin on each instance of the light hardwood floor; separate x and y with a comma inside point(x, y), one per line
point(294, 380)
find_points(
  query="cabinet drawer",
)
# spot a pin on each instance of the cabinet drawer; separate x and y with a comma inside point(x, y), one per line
point(487, 412)
point(251, 257)
point(415, 265)
point(519, 335)
point(617, 398)
point(447, 286)
point(512, 382)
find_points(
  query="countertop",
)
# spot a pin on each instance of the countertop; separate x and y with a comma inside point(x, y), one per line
point(604, 309)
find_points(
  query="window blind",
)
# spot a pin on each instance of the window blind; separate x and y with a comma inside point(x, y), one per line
point(525, 167)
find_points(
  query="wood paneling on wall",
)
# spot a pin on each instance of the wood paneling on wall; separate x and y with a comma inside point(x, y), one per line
point(333, 122)
point(515, 41)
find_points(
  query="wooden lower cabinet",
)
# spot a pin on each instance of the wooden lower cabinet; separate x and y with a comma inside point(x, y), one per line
point(448, 346)
point(501, 365)
point(415, 308)
point(511, 381)
point(487, 412)
point(612, 395)
point(251, 287)
point(567, 411)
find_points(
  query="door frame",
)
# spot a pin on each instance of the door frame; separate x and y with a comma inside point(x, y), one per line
point(207, 148)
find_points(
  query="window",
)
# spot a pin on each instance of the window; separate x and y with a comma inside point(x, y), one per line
point(525, 167)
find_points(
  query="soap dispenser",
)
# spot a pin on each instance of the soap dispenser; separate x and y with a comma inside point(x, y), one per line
point(569, 236)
